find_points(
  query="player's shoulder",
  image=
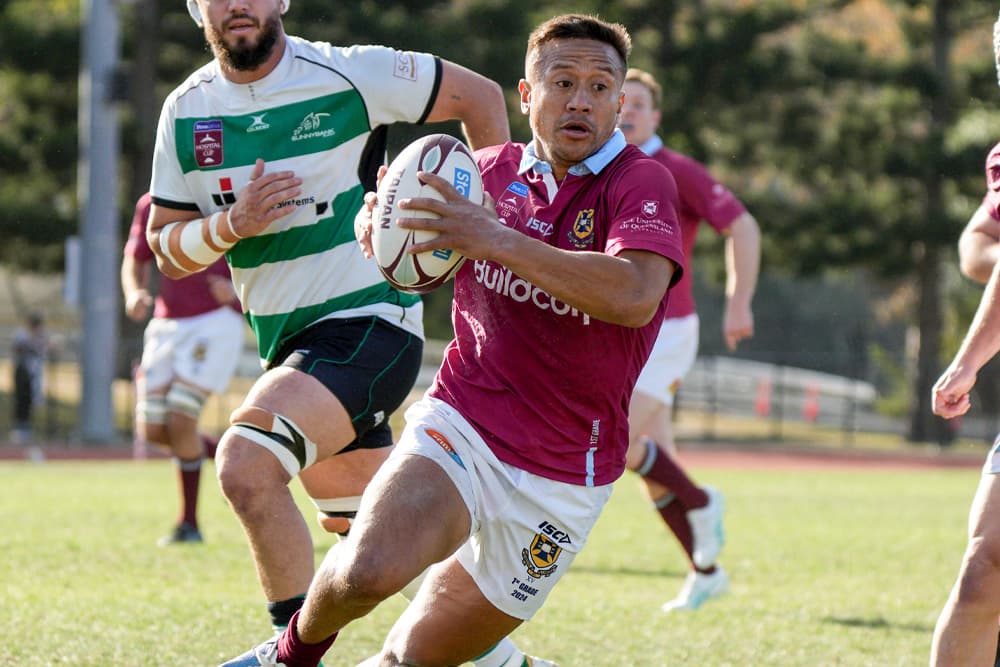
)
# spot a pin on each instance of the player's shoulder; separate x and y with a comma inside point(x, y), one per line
point(199, 80)
point(634, 161)
point(492, 158)
point(355, 58)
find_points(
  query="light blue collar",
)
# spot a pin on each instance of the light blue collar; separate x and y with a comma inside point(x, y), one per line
point(591, 165)
point(653, 144)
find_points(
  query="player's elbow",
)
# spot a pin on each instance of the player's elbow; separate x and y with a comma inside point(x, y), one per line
point(169, 269)
point(634, 311)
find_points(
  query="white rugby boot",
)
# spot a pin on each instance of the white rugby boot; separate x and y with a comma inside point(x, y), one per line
point(697, 589)
point(706, 529)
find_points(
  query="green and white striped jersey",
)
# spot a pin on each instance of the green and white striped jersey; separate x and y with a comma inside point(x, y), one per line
point(321, 113)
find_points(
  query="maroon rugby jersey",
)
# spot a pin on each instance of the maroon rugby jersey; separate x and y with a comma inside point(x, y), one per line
point(186, 297)
point(701, 198)
point(545, 385)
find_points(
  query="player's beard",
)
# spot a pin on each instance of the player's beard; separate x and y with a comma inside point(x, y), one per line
point(243, 56)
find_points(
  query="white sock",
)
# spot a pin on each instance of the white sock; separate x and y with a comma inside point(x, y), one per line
point(504, 654)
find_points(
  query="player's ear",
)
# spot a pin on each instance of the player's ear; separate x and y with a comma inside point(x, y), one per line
point(524, 88)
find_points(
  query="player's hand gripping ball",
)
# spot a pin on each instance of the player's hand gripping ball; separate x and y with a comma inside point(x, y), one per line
point(439, 154)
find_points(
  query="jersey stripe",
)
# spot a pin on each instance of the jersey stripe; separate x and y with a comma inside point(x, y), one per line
point(271, 327)
point(296, 242)
point(301, 128)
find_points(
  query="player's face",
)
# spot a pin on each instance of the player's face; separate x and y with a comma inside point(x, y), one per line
point(242, 34)
point(572, 97)
point(639, 118)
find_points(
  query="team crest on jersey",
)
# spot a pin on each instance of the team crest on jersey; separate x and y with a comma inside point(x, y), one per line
point(199, 352)
point(650, 208)
point(208, 146)
point(540, 558)
point(582, 233)
point(227, 196)
point(445, 445)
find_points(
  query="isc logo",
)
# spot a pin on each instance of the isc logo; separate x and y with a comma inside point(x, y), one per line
point(557, 535)
point(462, 182)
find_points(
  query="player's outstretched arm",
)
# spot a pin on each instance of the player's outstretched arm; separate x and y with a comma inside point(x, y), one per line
point(185, 243)
point(950, 396)
point(979, 245)
point(742, 267)
point(474, 100)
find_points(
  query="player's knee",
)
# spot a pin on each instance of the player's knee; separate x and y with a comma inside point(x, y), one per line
point(979, 580)
point(369, 576)
point(156, 434)
point(277, 434)
point(333, 524)
point(336, 515)
point(186, 401)
point(151, 414)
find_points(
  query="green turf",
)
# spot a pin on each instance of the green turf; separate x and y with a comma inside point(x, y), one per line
point(828, 568)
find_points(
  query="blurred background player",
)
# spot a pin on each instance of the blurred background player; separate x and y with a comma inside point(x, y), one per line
point(693, 513)
point(191, 348)
point(966, 630)
point(30, 351)
point(341, 347)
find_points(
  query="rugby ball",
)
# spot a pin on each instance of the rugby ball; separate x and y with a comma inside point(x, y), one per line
point(449, 158)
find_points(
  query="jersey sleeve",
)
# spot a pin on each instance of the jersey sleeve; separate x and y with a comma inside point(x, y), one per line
point(168, 187)
point(992, 198)
point(644, 214)
point(703, 196)
point(396, 85)
point(137, 247)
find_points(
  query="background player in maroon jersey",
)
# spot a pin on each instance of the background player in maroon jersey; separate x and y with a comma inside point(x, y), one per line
point(508, 460)
point(190, 349)
point(693, 513)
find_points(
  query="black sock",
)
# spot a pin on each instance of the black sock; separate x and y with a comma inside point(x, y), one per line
point(281, 611)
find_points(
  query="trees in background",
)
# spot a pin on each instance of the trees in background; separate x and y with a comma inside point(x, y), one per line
point(855, 130)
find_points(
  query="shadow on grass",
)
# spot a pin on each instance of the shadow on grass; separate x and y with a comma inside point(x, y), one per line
point(628, 571)
point(877, 623)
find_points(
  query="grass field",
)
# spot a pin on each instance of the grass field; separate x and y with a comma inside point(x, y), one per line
point(828, 568)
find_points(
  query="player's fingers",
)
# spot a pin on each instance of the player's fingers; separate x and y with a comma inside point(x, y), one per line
point(446, 189)
point(258, 169)
point(423, 204)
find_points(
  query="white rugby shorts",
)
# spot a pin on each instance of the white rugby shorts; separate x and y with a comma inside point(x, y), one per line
point(202, 350)
point(992, 465)
point(671, 358)
point(534, 527)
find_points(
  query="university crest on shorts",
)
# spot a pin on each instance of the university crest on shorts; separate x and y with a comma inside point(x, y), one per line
point(581, 235)
point(540, 558)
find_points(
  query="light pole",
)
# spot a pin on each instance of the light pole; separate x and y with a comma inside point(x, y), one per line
point(97, 189)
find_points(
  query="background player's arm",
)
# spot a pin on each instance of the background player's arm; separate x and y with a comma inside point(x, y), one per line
point(185, 243)
point(742, 267)
point(476, 101)
point(979, 245)
point(135, 276)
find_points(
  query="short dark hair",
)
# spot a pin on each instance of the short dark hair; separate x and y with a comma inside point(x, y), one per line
point(581, 26)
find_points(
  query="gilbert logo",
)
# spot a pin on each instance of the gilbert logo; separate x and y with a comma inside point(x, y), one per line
point(258, 124)
point(310, 127)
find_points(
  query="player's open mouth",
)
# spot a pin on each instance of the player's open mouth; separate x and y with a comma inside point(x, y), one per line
point(575, 129)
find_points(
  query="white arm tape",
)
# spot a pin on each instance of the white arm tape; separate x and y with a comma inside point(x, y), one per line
point(192, 242)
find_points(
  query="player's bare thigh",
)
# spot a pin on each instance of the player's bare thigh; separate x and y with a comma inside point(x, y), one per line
point(343, 475)
point(305, 401)
point(448, 623)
